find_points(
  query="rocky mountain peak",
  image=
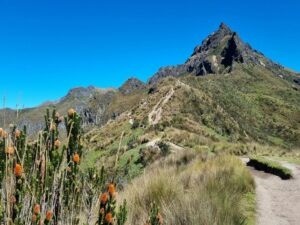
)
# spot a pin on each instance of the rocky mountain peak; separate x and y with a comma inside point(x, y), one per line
point(214, 39)
point(224, 28)
point(132, 84)
point(219, 53)
point(80, 93)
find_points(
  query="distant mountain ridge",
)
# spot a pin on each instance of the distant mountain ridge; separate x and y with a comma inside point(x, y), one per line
point(221, 53)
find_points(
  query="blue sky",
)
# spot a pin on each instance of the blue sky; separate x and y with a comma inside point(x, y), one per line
point(50, 46)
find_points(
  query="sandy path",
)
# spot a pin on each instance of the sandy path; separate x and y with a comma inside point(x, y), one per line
point(155, 115)
point(278, 201)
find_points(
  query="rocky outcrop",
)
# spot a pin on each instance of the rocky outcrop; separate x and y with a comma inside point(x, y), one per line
point(167, 71)
point(131, 85)
point(297, 80)
point(231, 53)
point(80, 93)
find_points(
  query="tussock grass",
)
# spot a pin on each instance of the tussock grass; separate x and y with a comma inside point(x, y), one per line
point(211, 190)
point(270, 166)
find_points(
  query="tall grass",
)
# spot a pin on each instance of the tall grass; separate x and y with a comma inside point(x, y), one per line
point(216, 191)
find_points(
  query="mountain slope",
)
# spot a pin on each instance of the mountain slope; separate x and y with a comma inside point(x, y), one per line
point(249, 104)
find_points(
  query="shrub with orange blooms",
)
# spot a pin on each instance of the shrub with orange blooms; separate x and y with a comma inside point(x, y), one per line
point(4, 135)
point(37, 209)
point(112, 190)
point(1, 131)
point(57, 144)
point(36, 217)
point(58, 118)
point(10, 150)
point(76, 158)
point(107, 206)
point(49, 215)
point(103, 198)
point(109, 219)
point(71, 112)
point(17, 133)
point(52, 127)
point(18, 170)
point(108, 214)
point(33, 218)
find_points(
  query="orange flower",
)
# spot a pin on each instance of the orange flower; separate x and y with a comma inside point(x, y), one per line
point(17, 133)
point(18, 170)
point(76, 158)
point(111, 190)
point(71, 112)
point(109, 218)
point(52, 127)
point(57, 144)
point(57, 115)
point(4, 135)
point(13, 199)
point(49, 215)
point(33, 218)
point(36, 209)
point(104, 198)
point(10, 150)
point(102, 211)
point(160, 219)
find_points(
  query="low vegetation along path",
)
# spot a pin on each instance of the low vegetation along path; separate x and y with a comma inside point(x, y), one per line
point(278, 201)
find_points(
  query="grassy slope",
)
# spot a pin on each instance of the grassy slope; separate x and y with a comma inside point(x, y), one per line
point(200, 190)
point(259, 106)
point(250, 110)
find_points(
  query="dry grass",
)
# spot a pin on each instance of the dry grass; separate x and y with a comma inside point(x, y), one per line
point(215, 190)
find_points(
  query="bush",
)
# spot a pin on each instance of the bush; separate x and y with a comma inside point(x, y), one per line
point(164, 148)
point(135, 124)
point(200, 193)
point(269, 166)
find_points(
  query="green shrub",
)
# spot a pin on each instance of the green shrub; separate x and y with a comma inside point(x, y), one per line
point(164, 148)
point(135, 124)
point(269, 166)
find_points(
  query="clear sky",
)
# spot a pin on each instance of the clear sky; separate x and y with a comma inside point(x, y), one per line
point(50, 46)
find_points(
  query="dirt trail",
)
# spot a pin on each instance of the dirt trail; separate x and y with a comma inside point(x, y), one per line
point(155, 115)
point(278, 201)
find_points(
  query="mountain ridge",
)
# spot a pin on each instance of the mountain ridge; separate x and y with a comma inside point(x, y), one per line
point(191, 65)
point(221, 53)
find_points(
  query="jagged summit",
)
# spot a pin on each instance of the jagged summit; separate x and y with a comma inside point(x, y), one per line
point(224, 27)
point(219, 53)
point(132, 84)
point(213, 40)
